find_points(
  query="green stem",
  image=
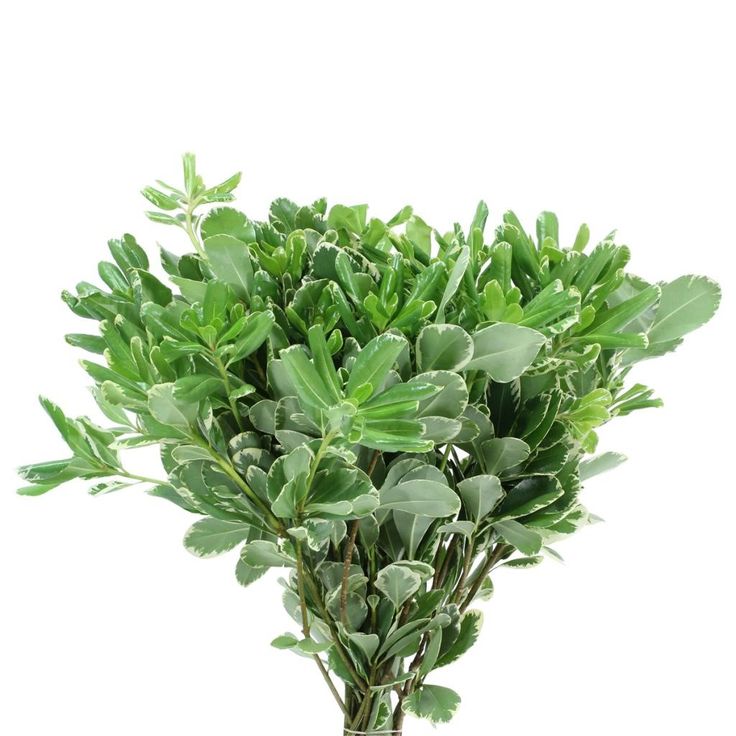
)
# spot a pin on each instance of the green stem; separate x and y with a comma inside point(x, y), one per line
point(349, 549)
point(442, 571)
point(228, 389)
point(467, 562)
point(492, 558)
point(446, 457)
point(306, 629)
point(364, 706)
point(142, 478)
point(314, 590)
point(233, 474)
point(189, 227)
point(318, 458)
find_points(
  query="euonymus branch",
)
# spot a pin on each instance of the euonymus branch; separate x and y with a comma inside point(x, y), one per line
point(387, 412)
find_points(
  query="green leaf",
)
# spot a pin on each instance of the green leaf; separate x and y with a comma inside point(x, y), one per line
point(464, 528)
point(211, 537)
point(262, 553)
point(374, 362)
point(435, 704)
point(453, 282)
point(197, 387)
point(397, 583)
point(600, 464)
point(470, 626)
point(190, 174)
point(419, 233)
point(480, 495)
point(310, 646)
point(257, 328)
point(90, 343)
point(312, 389)
point(246, 574)
point(395, 435)
point(367, 643)
point(527, 496)
point(285, 641)
point(351, 219)
point(524, 562)
point(230, 260)
point(621, 315)
point(505, 350)
point(686, 303)
point(443, 347)
point(398, 400)
point(169, 410)
point(421, 497)
point(450, 401)
point(502, 453)
point(323, 362)
point(525, 540)
point(227, 221)
point(412, 529)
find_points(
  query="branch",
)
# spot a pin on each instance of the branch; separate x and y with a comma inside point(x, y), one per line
point(349, 549)
point(306, 628)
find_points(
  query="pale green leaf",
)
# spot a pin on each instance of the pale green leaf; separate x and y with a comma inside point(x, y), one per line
point(443, 347)
point(397, 583)
point(432, 702)
point(421, 497)
point(504, 350)
point(210, 537)
point(230, 260)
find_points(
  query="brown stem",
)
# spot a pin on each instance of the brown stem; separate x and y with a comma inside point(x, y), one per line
point(373, 463)
point(398, 718)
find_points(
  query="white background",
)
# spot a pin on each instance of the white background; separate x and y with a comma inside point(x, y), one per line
point(617, 114)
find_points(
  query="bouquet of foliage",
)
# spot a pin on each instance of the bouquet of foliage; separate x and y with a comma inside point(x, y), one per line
point(386, 412)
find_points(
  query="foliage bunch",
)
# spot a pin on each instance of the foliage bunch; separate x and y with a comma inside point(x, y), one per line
point(388, 413)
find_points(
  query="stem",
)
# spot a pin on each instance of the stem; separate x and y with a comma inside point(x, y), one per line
point(300, 588)
point(226, 380)
point(399, 717)
point(142, 478)
point(306, 628)
point(189, 228)
point(333, 631)
point(441, 573)
point(361, 711)
point(318, 458)
point(499, 551)
point(373, 463)
point(350, 548)
point(233, 474)
point(467, 562)
point(446, 457)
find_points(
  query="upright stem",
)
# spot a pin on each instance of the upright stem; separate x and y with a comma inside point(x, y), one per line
point(314, 590)
point(189, 228)
point(467, 562)
point(228, 390)
point(349, 549)
point(233, 474)
point(306, 628)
